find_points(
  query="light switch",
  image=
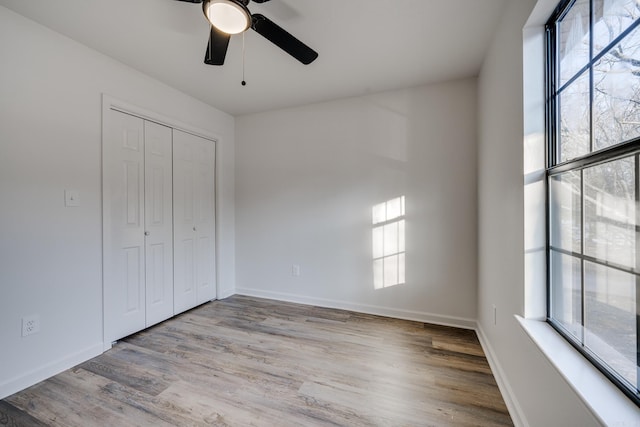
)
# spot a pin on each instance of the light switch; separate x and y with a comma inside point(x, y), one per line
point(71, 198)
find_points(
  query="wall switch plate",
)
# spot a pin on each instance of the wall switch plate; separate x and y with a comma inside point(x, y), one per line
point(71, 198)
point(30, 325)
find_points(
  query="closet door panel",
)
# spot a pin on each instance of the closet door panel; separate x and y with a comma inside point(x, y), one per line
point(205, 221)
point(158, 222)
point(124, 270)
point(184, 231)
point(194, 220)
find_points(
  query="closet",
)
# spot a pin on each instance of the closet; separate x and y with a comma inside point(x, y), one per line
point(159, 223)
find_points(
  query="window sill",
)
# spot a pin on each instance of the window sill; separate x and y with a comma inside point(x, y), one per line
point(608, 404)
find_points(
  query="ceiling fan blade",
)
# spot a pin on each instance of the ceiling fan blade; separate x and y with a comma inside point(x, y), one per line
point(281, 38)
point(217, 47)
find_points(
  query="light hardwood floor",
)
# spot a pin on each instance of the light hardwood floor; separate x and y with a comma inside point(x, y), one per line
point(252, 362)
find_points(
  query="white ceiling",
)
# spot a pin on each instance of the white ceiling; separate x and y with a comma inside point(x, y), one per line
point(364, 46)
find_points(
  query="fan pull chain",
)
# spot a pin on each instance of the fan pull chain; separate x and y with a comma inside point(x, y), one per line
point(244, 83)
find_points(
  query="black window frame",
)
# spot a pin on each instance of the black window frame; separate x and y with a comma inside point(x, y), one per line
point(554, 167)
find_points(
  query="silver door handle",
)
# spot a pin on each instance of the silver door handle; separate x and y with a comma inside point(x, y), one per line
point(146, 233)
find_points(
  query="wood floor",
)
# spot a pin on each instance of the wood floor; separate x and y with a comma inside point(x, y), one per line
point(251, 362)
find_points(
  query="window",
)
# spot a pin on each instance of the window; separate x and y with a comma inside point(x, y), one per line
point(593, 183)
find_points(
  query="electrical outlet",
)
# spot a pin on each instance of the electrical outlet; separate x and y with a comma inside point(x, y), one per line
point(71, 198)
point(295, 270)
point(30, 325)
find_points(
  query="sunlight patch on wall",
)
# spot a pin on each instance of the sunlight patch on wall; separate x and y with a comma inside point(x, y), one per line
point(388, 243)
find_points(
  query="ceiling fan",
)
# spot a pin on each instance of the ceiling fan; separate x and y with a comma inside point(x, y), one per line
point(228, 17)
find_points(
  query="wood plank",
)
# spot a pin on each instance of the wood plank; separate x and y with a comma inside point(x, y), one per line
point(13, 417)
point(130, 374)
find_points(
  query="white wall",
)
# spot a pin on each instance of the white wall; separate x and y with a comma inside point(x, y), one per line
point(50, 140)
point(305, 184)
point(307, 179)
point(540, 396)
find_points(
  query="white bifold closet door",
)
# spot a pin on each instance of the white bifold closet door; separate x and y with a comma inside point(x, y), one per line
point(194, 220)
point(138, 247)
point(158, 164)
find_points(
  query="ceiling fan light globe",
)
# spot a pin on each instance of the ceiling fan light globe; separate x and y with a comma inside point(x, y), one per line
point(228, 16)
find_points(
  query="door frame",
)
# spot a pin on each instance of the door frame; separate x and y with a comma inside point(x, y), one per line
point(111, 103)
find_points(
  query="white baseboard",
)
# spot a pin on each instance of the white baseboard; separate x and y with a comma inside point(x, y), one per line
point(28, 379)
point(418, 316)
point(515, 410)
